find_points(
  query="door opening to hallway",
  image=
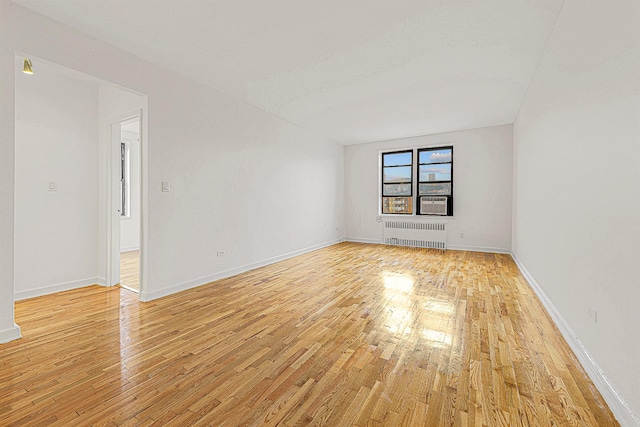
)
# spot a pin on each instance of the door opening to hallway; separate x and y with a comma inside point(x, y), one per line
point(130, 204)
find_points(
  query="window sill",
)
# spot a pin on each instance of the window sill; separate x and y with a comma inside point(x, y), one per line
point(413, 217)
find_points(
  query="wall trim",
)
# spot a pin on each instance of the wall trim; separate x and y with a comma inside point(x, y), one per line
point(10, 334)
point(449, 247)
point(623, 412)
point(149, 296)
point(59, 287)
point(129, 248)
point(479, 249)
point(370, 241)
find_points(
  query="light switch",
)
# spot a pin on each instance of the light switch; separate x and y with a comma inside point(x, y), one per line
point(166, 186)
point(52, 186)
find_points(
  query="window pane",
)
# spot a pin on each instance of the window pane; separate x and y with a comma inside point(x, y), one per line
point(124, 180)
point(396, 190)
point(397, 174)
point(396, 159)
point(440, 189)
point(435, 172)
point(435, 156)
point(397, 205)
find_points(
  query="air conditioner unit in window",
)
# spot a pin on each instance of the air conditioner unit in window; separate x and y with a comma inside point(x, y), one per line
point(433, 205)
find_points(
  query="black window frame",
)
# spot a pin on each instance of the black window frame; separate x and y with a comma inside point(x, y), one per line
point(418, 181)
point(410, 201)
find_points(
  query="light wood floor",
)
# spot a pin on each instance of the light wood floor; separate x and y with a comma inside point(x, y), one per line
point(130, 269)
point(348, 335)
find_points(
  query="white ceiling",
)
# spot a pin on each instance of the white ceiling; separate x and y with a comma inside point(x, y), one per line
point(351, 70)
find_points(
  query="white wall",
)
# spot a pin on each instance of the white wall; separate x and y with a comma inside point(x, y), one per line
point(241, 180)
point(130, 224)
point(482, 187)
point(577, 184)
point(56, 137)
point(8, 329)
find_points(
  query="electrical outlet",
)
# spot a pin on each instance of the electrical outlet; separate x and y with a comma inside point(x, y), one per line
point(221, 252)
point(593, 314)
point(462, 234)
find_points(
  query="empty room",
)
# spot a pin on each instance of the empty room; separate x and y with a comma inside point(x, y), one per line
point(328, 213)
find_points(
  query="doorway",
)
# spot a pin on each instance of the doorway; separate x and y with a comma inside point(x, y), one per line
point(125, 209)
point(130, 204)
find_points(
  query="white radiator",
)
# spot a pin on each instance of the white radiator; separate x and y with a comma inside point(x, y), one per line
point(415, 234)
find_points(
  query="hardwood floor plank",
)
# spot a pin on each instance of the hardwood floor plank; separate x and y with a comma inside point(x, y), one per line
point(352, 334)
point(130, 269)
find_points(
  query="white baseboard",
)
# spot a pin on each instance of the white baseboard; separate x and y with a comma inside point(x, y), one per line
point(478, 249)
point(149, 296)
point(59, 287)
point(449, 247)
point(10, 334)
point(370, 241)
point(625, 415)
point(130, 248)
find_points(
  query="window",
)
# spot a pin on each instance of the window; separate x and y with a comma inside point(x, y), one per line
point(397, 182)
point(435, 167)
point(124, 180)
point(434, 181)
